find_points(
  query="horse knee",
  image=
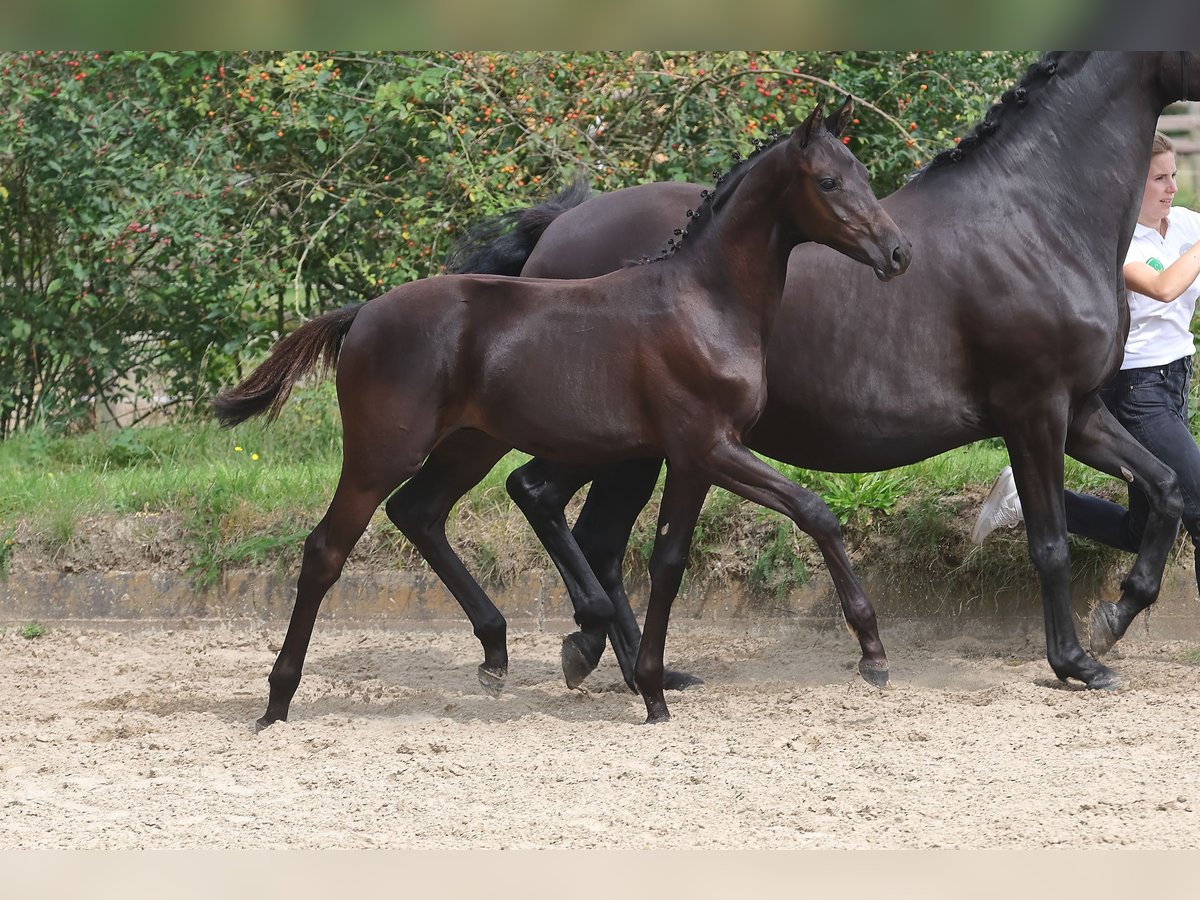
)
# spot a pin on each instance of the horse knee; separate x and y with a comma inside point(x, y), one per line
point(668, 563)
point(1050, 555)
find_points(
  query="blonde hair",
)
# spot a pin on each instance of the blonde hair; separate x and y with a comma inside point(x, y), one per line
point(1161, 144)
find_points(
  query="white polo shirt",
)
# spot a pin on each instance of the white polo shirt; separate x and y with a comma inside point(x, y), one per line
point(1160, 333)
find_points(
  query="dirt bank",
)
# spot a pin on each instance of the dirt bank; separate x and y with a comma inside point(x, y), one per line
point(138, 738)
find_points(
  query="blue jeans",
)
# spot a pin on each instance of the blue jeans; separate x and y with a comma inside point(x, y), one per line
point(1152, 404)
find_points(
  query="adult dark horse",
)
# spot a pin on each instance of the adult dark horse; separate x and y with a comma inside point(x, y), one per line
point(663, 359)
point(1013, 314)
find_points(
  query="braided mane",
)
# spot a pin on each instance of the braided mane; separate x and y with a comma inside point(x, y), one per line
point(713, 199)
point(1015, 97)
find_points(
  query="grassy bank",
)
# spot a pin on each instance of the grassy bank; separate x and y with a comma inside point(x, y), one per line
point(247, 497)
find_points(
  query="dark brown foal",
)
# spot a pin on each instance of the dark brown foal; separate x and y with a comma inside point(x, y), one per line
point(664, 359)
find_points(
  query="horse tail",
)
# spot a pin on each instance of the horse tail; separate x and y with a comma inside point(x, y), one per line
point(501, 245)
point(267, 388)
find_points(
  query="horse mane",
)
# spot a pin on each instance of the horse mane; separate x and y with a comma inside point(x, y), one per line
point(712, 199)
point(1015, 97)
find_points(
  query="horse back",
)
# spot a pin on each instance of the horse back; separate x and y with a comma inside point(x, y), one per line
point(612, 230)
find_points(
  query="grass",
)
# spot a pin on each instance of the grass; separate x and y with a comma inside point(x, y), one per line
point(6, 547)
point(32, 630)
point(248, 496)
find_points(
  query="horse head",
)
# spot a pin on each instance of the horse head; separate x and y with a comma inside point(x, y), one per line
point(831, 197)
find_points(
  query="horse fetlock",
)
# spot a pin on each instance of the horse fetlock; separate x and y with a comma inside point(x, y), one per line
point(283, 682)
point(656, 711)
point(493, 636)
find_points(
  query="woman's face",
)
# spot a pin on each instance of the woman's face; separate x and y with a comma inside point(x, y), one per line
point(1160, 189)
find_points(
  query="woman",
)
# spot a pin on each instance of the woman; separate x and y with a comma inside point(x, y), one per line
point(1149, 395)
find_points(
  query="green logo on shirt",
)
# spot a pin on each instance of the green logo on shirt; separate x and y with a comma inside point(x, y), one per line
point(1155, 264)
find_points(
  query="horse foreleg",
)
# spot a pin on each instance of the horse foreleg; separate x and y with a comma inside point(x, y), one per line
point(1097, 439)
point(605, 523)
point(420, 509)
point(1035, 448)
point(738, 470)
point(683, 498)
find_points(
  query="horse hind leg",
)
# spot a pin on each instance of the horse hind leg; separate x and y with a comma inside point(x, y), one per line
point(325, 553)
point(420, 509)
point(1098, 440)
point(378, 454)
point(542, 489)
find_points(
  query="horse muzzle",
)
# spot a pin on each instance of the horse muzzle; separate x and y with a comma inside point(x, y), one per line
point(897, 262)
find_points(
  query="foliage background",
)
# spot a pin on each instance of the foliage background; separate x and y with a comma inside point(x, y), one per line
point(165, 216)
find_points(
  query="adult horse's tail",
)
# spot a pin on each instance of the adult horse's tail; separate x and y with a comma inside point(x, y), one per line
point(266, 389)
point(502, 244)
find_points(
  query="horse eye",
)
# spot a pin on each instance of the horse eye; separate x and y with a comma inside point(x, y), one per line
point(828, 184)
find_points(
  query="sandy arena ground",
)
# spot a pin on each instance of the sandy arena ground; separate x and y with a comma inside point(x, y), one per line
point(139, 738)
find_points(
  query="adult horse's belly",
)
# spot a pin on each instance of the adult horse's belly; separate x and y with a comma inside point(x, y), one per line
point(831, 443)
point(863, 376)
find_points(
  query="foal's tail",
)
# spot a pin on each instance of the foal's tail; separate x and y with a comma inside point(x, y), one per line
point(266, 389)
point(502, 244)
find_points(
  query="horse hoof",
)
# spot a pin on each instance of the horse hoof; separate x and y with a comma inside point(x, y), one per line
point(1104, 626)
point(678, 681)
point(492, 681)
point(657, 718)
point(259, 725)
point(874, 674)
point(1108, 680)
point(580, 656)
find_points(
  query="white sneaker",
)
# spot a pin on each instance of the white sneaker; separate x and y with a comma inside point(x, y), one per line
point(1002, 508)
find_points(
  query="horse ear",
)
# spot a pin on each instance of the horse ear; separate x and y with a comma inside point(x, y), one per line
point(836, 122)
point(808, 127)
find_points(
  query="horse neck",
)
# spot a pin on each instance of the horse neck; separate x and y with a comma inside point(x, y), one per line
point(742, 254)
point(1077, 151)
